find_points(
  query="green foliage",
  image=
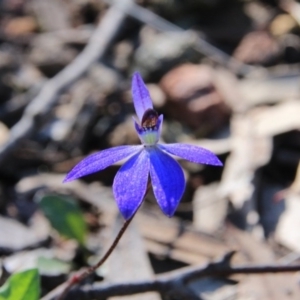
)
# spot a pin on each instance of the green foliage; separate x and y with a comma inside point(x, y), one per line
point(22, 286)
point(65, 216)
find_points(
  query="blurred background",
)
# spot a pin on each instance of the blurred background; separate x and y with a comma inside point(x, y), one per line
point(225, 74)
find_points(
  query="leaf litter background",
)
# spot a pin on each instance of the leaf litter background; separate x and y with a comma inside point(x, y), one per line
point(229, 83)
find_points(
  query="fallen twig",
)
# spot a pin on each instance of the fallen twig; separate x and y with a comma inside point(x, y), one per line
point(46, 99)
point(171, 280)
point(216, 55)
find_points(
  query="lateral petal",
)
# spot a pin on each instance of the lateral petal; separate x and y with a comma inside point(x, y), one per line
point(101, 160)
point(130, 184)
point(140, 95)
point(192, 153)
point(159, 124)
point(167, 180)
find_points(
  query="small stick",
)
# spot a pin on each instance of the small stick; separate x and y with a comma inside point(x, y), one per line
point(44, 101)
point(165, 282)
point(213, 53)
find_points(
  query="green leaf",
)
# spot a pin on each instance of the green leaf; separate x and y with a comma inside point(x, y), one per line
point(22, 286)
point(65, 216)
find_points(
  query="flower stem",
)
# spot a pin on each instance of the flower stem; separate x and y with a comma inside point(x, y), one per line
point(76, 279)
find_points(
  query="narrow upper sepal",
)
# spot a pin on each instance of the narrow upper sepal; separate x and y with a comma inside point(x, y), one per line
point(192, 153)
point(101, 160)
point(167, 180)
point(140, 95)
point(130, 184)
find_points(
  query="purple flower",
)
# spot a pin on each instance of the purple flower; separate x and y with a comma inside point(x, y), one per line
point(152, 158)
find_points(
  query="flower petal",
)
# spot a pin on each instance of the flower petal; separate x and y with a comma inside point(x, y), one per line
point(138, 128)
point(141, 96)
point(101, 160)
point(130, 184)
point(159, 124)
point(192, 153)
point(167, 180)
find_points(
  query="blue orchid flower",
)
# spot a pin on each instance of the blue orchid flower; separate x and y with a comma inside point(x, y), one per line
point(130, 183)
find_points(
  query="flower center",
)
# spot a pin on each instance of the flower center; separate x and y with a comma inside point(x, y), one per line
point(149, 120)
point(150, 135)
